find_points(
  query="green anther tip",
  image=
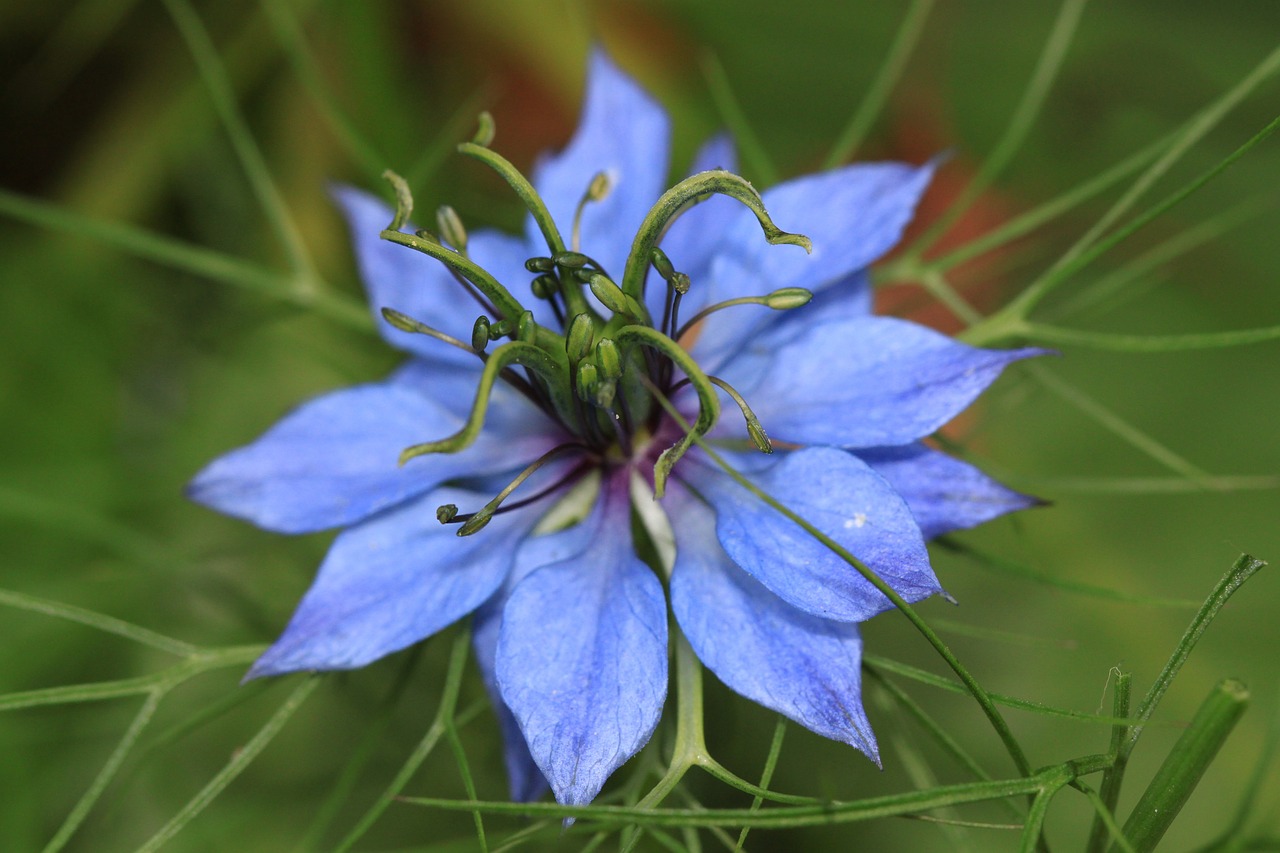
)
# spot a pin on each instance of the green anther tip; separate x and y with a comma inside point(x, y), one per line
point(680, 282)
point(451, 228)
point(786, 298)
point(606, 391)
point(571, 260)
point(609, 294)
point(758, 436)
point(662, 263)
point(404, 200)
point(424, 234)
point(526, 328)
point(608, 359)
point(578, 343)
point(588, 380)
point(480, 334)
point(539, 265)
point(446, 513)
point(545, 286)
point(485, 129)
point(476, 523)
point(600, 187)
point(502, 328)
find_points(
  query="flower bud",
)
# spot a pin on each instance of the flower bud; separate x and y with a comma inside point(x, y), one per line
point(786, 298)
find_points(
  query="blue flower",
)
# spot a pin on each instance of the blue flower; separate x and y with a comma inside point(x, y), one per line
point(570, 625)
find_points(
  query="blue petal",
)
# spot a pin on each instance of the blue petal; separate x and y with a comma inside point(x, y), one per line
point(846, 500)
point(582, 654)
point(944, 494)
point(333, 460)
point(393, 580)
point(853, 216)
point(863, 382)
point(803, 667)
point(624, 133)
point(526, 780)
point(410, 282)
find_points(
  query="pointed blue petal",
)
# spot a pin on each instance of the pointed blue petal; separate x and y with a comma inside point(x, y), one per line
point(333, 460)
point(397, 277)
point(582, 655)
point(852, 215)
point(805, 668)
point(393, 580)
point(944, 494)
point(525, 779)
point(841, 496)
point(862, 382)
point(624, 133)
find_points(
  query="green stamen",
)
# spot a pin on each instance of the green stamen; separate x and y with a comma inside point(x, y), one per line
point(758, 436)
point(551, 371)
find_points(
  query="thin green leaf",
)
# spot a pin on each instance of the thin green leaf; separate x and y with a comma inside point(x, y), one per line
point(240, 760)
point(107, 624)
point(214, 75)
point(887, 76)
point(188, 258)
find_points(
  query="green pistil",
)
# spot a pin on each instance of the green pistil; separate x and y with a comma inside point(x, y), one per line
point(708, 404)
point(476, 521)
point(680, 198)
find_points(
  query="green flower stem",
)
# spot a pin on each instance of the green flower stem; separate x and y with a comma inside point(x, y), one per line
point(787, 817)
point(1110, 793)
point(976, 690)
point(1243, 569)
point(1032, 838)
point(877, 93)
point(1041, 333)
point(679, 198)
point(1024, 302)
point(1024, 116)
point(240, 760)
point(690, 747)
point(445, 717)
point(1185, 764)
point(708, 402)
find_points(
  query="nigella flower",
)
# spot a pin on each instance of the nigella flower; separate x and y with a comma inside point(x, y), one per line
point(638, 297)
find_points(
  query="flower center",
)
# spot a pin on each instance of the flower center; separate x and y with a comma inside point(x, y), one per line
point(605, 367)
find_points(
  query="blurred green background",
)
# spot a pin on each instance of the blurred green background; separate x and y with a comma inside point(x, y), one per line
point(120, 377)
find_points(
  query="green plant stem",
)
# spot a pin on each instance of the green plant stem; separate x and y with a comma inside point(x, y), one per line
point(1110, 793)
point(846, 144)
point(438, 729)
point(1243, 569)
point(1185, 765)
point(241, 759)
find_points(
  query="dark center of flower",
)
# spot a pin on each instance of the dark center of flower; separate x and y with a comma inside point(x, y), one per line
point(605, 369)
